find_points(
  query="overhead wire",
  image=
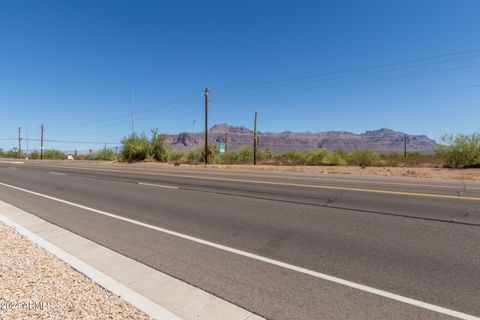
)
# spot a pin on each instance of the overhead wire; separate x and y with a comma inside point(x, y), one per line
point(352, 70)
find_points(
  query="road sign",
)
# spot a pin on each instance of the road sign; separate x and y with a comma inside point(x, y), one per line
point(222, 147)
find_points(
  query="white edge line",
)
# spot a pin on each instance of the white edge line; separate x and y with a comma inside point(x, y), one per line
point(156, 185)
point(147, 306)
point(59, 173)
point(285, 265)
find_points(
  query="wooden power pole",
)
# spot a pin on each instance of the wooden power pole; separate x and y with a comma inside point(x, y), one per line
point(205, 94)
point(405, 146)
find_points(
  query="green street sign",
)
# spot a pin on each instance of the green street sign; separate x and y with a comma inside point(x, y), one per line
point(222, 147)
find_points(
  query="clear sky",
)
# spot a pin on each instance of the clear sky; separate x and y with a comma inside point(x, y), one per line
point(408, 65)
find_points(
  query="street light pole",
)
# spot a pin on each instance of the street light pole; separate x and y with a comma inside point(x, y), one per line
point(132, 93)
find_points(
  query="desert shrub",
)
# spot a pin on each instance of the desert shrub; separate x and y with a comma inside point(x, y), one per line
point(413, 159)
point(363, 158)
point(54, 154)
point(175, 156)
point(34, 155)
point(11, 154)
point(104, 154)
point(265, 154)
point(135, 148)
point(158, 146)
point(316, 156)
point(336, 158)
point(194, 156)
point(292, 158)
point(213, 154)
point(462, 151)
point(2, 153)
point(244, 155)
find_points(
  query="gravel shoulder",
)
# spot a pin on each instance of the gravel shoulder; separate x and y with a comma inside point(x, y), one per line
point(35, 284)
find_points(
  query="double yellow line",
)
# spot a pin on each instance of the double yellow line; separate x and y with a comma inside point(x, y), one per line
point(273, 183)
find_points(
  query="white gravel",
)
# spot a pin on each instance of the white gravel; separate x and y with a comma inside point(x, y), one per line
point(34, 284)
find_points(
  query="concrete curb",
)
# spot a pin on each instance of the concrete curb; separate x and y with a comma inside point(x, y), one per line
point(153, 292)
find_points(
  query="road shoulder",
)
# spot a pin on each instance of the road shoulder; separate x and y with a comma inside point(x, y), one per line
point(151, 291)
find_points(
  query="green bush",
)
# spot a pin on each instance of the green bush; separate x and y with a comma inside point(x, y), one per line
point(364, 158)
point(243, 155)
point(139, 147)
point(175, 156)
point(158, 146)
point(265, 154)
point(34, 155)
point(135, 148)
point(194, 156)
point(53, 154)
point(462, 151)
point(336, 158)
point(103, 154)
point(14, 154)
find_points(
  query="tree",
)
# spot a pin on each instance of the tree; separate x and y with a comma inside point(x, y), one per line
point(158, 146)
point(135, 148)
point(462, 151)
point(364, 158)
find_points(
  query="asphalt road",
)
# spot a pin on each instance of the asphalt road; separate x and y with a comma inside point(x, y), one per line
point(416, 238)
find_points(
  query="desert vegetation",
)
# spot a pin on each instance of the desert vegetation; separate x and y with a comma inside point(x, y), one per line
point(461, 151)
point(140, 148)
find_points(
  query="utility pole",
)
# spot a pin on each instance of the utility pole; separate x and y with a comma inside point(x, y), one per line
point(405, 146)
point(226, 146)
point(255, 140)
point(205, 94)
point(19, 152)
point(132, 93)
point(41, 142)
point(226, 142)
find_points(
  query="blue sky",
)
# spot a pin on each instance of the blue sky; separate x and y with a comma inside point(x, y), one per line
point(408, 65)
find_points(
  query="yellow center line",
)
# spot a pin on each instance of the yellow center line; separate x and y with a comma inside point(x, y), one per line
point(420, 185)
point(320, 179)
point(275, 183)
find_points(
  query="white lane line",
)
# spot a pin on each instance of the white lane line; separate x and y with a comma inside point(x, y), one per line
point(277, 263)
point(149, 307)
point(156, 185)
point(15, 162)
point(58, 173)
point(14, 168)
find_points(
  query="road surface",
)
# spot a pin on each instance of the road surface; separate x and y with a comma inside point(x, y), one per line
point(282, 245)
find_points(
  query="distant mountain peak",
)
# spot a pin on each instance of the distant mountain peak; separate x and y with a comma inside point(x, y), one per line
point(380, 140)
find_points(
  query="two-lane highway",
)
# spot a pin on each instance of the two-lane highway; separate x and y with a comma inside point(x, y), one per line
point(285, 246)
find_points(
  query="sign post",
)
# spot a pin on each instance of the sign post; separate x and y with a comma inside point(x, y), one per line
point(222, 152)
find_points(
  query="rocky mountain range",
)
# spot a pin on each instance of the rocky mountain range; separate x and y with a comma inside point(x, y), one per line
point(381, 140)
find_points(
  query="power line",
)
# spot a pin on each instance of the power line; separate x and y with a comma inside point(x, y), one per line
point(350, 76)
point(353, 70)
point(114, 118)
point(384, 95)
point(351, 83)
